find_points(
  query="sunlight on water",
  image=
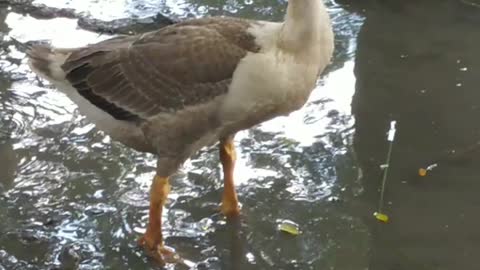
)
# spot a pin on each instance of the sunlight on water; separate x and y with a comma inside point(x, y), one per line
point(53, 109)
point(180, 7)
point(327, 109)
point(61, 32)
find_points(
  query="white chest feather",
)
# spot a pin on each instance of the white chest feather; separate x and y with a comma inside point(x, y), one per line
point(274, 81)
point(271, 79)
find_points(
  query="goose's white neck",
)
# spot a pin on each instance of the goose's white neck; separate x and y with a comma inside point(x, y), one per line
point(306, 23)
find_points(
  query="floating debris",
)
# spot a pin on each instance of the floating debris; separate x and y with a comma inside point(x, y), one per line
point(289, 227)
point(423, 171)
point(391, 137)
point(381, 217)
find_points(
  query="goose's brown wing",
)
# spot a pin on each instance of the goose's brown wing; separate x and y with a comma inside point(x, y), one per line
point(163, 71)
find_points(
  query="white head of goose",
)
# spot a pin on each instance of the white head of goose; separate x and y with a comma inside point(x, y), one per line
point(188, 85)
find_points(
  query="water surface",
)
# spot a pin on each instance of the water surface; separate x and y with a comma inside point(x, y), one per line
point(73, 199)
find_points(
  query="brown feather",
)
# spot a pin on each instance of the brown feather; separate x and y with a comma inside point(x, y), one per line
point(162, 71)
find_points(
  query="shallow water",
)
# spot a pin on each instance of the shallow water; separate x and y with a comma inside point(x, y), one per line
point(73, 199)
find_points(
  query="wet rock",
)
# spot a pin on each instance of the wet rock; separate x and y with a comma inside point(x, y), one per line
point(333, 113)
point(99, 209)
point(16, 2)
point(39, 11)
point(125, 26)
point(52, 221)
point(210, 263)
point(29, 237)
point(69, 258)
point(45, 12)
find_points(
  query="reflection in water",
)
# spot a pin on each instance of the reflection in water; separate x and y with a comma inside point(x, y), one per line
point(8, 161)
point(416, 63)
point(78, 199)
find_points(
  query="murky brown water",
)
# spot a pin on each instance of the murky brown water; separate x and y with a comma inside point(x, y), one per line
point(70, 198)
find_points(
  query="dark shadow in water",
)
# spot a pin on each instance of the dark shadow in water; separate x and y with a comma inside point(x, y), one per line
point(417, 62)
point(8, 161)
point(3, 15)
point(235, 243)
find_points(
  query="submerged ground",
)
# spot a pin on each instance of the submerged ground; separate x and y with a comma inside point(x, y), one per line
point(70, 198)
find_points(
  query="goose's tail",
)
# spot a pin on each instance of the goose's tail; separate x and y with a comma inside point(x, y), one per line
point(45, 60)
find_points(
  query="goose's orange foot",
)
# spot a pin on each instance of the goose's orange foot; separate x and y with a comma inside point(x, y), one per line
point(230, 207)
point(152, 240)
point(156, 250)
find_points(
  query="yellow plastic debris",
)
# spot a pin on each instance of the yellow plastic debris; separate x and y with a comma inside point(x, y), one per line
point(422, 172)
point(381, 217)
point(289, 227)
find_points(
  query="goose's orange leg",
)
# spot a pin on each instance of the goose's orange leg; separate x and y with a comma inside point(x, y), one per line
point(229, 205)
point(152, 240)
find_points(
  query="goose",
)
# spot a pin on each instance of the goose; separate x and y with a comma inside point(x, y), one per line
point(191, 84)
